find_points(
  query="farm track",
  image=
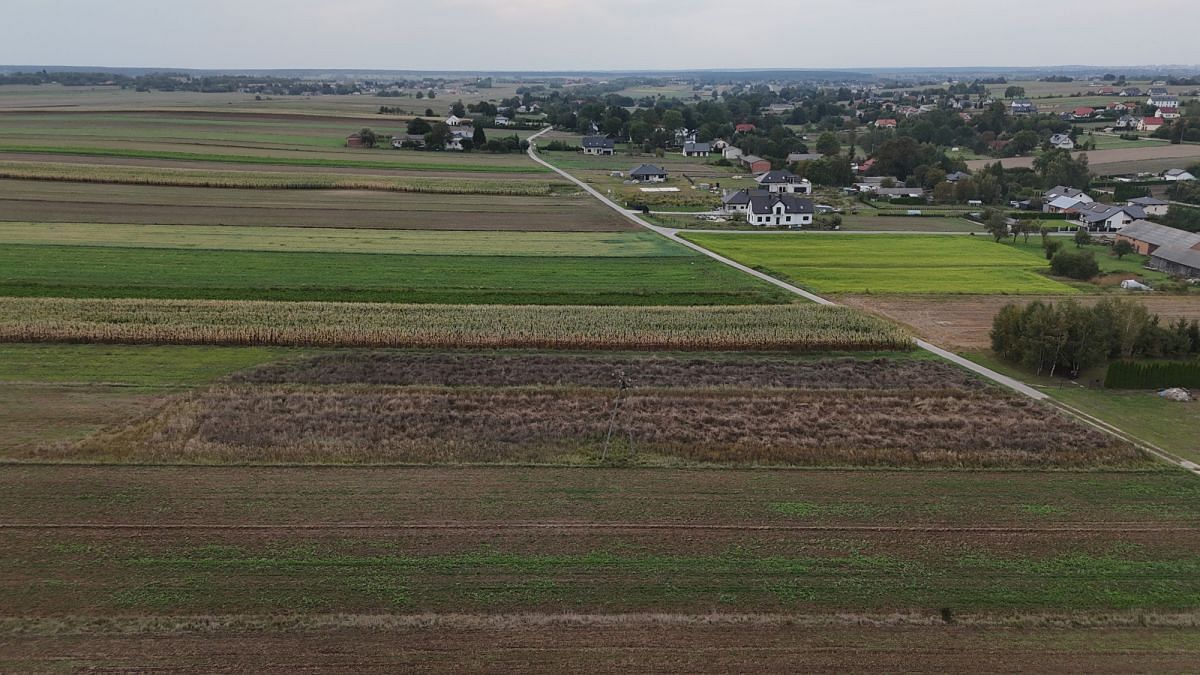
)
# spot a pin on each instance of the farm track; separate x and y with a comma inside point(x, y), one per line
point(988, 373)
point(1090, 528)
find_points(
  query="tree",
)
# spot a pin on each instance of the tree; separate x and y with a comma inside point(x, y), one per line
point(672, 120)
point(944, 193)
point(419, 127)
point(1079, 265)
point(1052, 248)
point(431, 95)
point(479, 137)
point(1122, 248)
point(996, 224)
point(1058, 167)
point(420, 95)
point(438, 136)
point(1014, 92)
point(1082, 238)
point(369, 139)
point(458, 109)
point(827, 144)
point(429, 112)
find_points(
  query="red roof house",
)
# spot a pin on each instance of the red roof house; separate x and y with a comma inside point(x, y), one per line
point(885, 123)
point(744, 128)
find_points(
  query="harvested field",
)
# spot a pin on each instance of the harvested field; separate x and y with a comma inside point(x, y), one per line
point(526, 370)
point(275, 180)
point(52, 202)
point(772, 328)
point(1119, 160)
point(371, 424)
point(964, 322)
point(379, 569)
point(343, 240)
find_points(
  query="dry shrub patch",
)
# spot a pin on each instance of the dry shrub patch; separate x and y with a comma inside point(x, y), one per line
point(330, 324)
point(364, 424)
point(517, 370)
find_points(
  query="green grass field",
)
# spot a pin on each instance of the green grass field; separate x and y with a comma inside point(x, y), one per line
point(140, 365)
point(330, 240)
point(837, 263)
point(95, 272)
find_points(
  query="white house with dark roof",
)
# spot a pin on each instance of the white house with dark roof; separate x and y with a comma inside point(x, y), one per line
point(1177, 174)
point(738, 201)
point(1163, 101)
point(598, 145)
point(784, 182)
point(1107, 217)
point(648, 173)
point(1151, 205)
point(693, 149)
point(1062, 142)
point(779, 210)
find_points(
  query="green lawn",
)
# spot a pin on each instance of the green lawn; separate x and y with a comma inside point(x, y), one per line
point(1132, 264)
point(136, 365)
point(843, 263)
point(94, 272)
point(1175, 427)
point(336, 240)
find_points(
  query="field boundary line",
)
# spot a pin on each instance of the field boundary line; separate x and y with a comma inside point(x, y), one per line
point(996, 377)
point(501, 526)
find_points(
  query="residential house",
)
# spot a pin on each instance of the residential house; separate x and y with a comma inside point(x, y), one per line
point(779, 109)
point(866, 166)
point(599, 145)
point(502, 121)
point(1064, 191)
point(684, 136)
point(731, 153)
point(354, 141)
point(744, 128)
point(1022, 107)
point(1177, 174)
point(1128, 122)
point(1163, 101)
point(1117, 106)
point(1062, 142)
point(1158, 91)
point(1179, 261)
point(1064, 204)
point(738, 201)
point(885, 123)
point(1151, 123)
point(784, 182)
point(1107, 217)
point(779, 210)
point(694, 149)
point(719, 145)
point(1130, 91)
point(1147, 237)
point(1168, 113)
point(956, 176)
point(648, 173)
point(1083, 113)
point(755, 164)
point(456, 121)
point(1107, 91)
point(409, 141)
point(1151, 205)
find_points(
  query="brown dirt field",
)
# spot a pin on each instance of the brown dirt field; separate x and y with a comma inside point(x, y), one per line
point(35, 414)
point(1171, 155)
point(364, 424)
point(633, 646)
point(964, 322)
point(431, 172)
point(38, 201)
point(226, 598)
point(466, 369)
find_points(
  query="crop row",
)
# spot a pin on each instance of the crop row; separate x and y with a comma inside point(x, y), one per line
point(120, 175)
point(754, 327)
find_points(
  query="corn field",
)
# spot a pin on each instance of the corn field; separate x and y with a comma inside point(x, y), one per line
point(320, 324)
point(254, 180)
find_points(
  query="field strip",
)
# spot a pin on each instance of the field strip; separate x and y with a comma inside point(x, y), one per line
point(651, 527)
point(32, 626)
point(988, 373)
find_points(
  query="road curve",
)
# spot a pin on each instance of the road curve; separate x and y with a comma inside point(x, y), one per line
point(983, 371)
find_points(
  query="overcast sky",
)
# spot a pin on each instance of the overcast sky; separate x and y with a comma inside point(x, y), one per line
point(595, 34)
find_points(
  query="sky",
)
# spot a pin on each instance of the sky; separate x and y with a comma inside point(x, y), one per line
point(594, 34)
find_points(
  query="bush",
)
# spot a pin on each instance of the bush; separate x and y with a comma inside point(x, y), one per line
point(1052, 248)
point(1153, 375)
point(1080, 265)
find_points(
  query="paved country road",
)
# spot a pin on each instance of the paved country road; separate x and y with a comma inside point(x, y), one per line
point(988, 373)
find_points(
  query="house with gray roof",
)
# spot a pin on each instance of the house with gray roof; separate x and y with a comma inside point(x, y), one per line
point(779, 210)
point(1064, 191)
point(1151, 205)
point(648, 173)
point(693, 149)
point(598, 145)
point(1178, 261)
point(1107, 217)
point(1148, 237)
point(1062, 141)
point(956, 176)
point(738, 201)
point(794, 157)
point(783, 181)
point(1177, 174)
